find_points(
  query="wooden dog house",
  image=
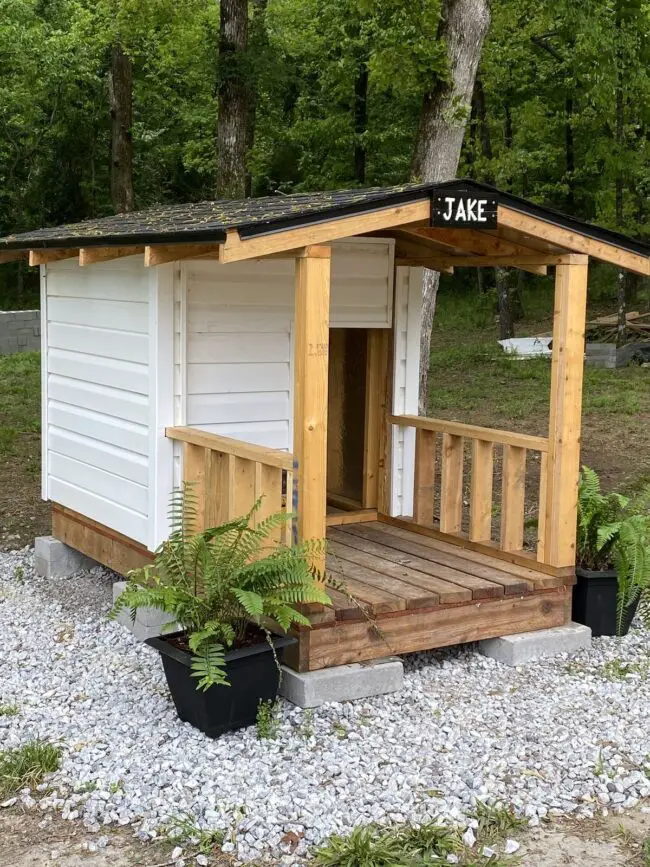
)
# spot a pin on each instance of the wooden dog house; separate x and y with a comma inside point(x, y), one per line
point(270, 346)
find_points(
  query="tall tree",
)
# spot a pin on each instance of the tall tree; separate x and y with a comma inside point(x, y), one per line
point(120, 94)
point(234, 117)
point(443, 118)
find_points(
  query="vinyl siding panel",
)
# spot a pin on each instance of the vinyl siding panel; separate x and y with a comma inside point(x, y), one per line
point(97, 431)
point(239, 319)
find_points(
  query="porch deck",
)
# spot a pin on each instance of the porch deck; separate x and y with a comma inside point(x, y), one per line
point(415, 592)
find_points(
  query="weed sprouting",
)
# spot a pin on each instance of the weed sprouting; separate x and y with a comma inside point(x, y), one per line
point(9, 710)
point(24, 767)
point(268, 720)
point(495, 822)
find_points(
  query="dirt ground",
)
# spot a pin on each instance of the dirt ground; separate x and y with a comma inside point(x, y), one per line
point(615, 841)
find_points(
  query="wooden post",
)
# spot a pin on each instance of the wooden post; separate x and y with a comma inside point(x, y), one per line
point(561, 503)
point(311, 350)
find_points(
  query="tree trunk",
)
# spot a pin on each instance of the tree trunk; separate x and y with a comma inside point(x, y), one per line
point(233, 136)
point(120, 94)
point(506, 322)
point(443, 118)
point(360, 119)
point(259, 46)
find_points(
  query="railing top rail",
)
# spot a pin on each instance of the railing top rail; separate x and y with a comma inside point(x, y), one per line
point(504, 437)
point(230, 446)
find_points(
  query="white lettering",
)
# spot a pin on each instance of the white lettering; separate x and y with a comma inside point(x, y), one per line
point(481, 211)
point(450, 204)
point(460, 213)
point(471, 213)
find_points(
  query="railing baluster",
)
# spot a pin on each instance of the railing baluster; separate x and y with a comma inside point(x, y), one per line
point(513, 498)
point(451, 485)
point(541, 517)
point(194, 475)
point(480, 499)
point(425, 474)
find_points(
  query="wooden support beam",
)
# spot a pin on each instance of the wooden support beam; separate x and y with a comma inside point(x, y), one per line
point(13, 256)
point(480, 498)
point(426, 262)
point(574, 241)
point(42, 257)
point(311, 351)
point(159, 254)
point(236, 248)
point(567, 366)
point(92, 255)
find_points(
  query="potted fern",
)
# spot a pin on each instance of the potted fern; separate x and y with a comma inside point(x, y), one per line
point(613, 557)
point(233, 590)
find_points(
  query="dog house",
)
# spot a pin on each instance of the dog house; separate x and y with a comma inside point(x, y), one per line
point(270, 347)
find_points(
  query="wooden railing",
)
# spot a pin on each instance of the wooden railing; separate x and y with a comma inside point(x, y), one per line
point(228, 476)
point(450, 488)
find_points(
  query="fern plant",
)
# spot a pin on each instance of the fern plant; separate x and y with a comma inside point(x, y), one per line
point(217, 582)
point(630, 541)
point(595, 511)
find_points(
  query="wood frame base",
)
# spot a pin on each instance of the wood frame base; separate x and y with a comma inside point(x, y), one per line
point(345, 642)
point(107, 547)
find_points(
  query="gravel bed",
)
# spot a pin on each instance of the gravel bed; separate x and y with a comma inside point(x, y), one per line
point(565, 736)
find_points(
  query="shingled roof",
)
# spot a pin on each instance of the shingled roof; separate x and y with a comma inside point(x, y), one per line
point(210, 221)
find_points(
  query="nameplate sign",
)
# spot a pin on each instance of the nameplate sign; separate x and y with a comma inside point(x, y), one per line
point(459, 209)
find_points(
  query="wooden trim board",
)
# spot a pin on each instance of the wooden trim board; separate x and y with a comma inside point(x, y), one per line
point(102, 544)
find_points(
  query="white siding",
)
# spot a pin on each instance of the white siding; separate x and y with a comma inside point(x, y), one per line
point(408, 308)
point(96, 424)
point(239, 318)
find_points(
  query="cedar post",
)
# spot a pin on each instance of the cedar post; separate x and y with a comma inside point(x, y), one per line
point(311, 351)
point(561, 504)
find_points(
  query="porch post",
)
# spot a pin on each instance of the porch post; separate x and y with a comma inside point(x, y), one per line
point(565, 411)
point(311, 350)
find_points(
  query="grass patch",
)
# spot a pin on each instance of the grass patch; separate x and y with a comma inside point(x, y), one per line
point(24, 767)
point(496, 822)
point(645, 852)
point(184, 830)
point(408, 846)
point(268, 720)
point(20, 393)
point(9, 710)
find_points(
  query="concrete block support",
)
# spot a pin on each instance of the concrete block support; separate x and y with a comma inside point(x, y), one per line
point(342, 682)
point(149, 622)
point(525, 647)
point(54, 559)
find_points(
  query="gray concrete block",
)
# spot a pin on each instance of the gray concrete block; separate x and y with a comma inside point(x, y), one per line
point(54, 559)
point(342, 682)
point(524, 647)
point(149, 622)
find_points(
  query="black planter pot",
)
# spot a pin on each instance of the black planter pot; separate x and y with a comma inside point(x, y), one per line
point(594, 602)
point(253, 675)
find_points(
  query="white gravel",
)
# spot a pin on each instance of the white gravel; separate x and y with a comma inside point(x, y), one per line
point(556, 737)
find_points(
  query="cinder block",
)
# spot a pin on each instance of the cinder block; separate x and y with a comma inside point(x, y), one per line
point(525, 647)
point(149, 622)
point(342, 682)
point(54, 559)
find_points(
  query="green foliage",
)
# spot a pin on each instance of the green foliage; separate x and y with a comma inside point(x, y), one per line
point(268, 721)
point(596, 511)
point(614, 530)
point(24, 767)
point(217, 582)
point(496, 822)
point(9, 710)
point(183, 829)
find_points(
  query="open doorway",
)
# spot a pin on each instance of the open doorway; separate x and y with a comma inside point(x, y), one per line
point(357, 359)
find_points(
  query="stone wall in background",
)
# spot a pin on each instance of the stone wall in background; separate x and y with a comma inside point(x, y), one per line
point(20, 331)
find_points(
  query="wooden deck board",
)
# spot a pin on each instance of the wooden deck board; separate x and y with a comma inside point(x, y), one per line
point(540, 580)
point(371, 540)
point(346, 560)
point(447, 593)
point(378, 600)
point(511, 584)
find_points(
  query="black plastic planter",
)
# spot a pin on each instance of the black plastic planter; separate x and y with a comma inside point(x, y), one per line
point(253, 675)
point(594, 602)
